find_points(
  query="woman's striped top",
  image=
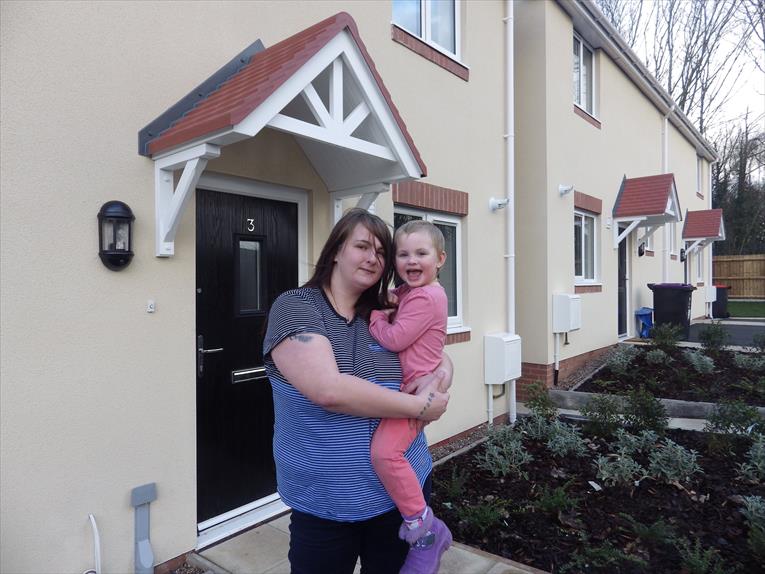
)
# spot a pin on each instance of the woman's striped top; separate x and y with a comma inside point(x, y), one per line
point(323, 466)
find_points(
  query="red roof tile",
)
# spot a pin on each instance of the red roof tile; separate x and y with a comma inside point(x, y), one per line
point(703, 224)
point(237, 97)
point(643, 196)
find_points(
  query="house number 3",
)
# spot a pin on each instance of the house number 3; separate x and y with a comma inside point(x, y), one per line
point(250, 225)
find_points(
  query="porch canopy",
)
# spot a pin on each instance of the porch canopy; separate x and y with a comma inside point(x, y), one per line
point(648, 202)
point(319, 85)
point(702, 228)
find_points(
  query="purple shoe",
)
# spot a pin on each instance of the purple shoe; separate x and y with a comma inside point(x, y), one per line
point(425, 555)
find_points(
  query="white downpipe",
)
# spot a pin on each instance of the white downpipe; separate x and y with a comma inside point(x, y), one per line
point(556, 350)
point(665, 169)
point(96, 547)
point(510, 189)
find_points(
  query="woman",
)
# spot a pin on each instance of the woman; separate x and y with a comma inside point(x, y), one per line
point(332, 383)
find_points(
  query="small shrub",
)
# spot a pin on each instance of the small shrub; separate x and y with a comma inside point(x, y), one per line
point(630, 444)
point(619, 470)
point(666, 336)
point(734, 417)
point(698, 560)
point(749, 362)
point(454, 487)
point(565, 439)
point(754, 469)
point(621, 358)
point(670, 462)
point(504, 453)
point(652, 534)
point(556, 500)
point(758, 343)
point(657, 357)
point(484, 516)
point(699, 361)
point(540, 403)
point(754, 512)
point(643, 411)
point(536, 427)
point(604, 558)
point(603, 414)
point(713, 337)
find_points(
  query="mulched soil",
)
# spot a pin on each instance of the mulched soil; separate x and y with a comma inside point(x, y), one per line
point(679, 380)
point(708, 509)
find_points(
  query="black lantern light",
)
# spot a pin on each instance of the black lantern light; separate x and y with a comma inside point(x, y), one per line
point(115, 235)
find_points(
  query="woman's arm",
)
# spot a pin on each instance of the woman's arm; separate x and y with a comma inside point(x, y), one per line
point(306, 360)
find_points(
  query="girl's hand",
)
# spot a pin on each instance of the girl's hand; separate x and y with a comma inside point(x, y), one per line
point(392, 299)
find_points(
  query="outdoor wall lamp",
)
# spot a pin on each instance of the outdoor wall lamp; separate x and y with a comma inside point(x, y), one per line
point(115, 235)
point(495, 204)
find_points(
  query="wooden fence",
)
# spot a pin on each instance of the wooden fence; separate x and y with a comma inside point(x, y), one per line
point(744, 273)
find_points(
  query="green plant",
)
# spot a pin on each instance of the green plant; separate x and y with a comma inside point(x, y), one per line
point(630, 444)
point(652, 534)
point(556, 500)
point(643, 411)
point(536, 427)
point(699, 361)
point(670, 462)
point(454, 487)
point(698, 560)
point(602, 558)
point(504, 453)
point(657, 357)
point(621, 358)
point(749, 362)
point(565, 439)
point(754, 512)
point(758, 343)
point(666, 336)
point(734, 417)
point(619, 470)
point(754, 469)
point(540, 403)
point(713, 337)
point(483, 516)
point(603, 414)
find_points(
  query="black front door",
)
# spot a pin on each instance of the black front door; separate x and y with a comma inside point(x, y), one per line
point(622, 286)
point(247, 254)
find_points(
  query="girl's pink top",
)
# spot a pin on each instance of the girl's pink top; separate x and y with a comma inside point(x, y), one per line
point(417, 331)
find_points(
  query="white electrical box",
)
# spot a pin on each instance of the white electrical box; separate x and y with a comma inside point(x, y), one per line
point(711, 293)
point(501, 358)
point(566, 312)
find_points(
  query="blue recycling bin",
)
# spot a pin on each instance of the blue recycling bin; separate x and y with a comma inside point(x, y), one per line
point(644, 315)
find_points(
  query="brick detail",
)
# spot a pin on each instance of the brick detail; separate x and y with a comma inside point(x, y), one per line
point(417, 46)
point(649, 253)
point(587, 202)
point(701, 284)
point(588, 288)
point(429, 196)
point(673, 257)
point(171, 565)
point(585, 116)
point(699, 195)
point(458, 338)
point(498, 420)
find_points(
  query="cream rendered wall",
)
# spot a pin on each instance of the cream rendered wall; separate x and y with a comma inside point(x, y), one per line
point(97, 395)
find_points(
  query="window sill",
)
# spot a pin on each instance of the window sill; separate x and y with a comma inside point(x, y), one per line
point(457, 335)
point(673, 256)
point(699, 284)
point(588, 288)
point(649, 253)
point(429, 52)
point(586, 116)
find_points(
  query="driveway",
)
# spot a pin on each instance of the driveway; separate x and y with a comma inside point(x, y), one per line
point(740, 332)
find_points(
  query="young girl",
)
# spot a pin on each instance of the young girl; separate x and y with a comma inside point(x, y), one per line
point(417, 331)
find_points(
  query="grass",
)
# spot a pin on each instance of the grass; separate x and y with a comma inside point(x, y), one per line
point(746, 308)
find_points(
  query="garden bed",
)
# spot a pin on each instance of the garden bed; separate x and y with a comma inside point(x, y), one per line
point(557, 513)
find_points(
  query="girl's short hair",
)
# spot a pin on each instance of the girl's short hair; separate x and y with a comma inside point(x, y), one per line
point(420, 225)
point(376, 296)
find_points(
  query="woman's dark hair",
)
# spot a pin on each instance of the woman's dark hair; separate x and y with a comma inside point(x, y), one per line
point(376, 297)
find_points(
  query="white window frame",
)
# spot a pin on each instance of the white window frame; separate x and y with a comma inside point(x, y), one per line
point(699, 265)
point(699, 174)
point(454, 322)
point(580, 279)
point(425, 36)
point(594, 79)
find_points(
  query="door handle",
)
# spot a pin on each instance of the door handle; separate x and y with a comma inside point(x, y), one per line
point(201, 352)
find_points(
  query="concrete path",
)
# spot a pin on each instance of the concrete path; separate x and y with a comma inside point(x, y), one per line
point(263, 550)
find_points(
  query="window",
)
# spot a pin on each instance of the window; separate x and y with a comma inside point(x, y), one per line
point(585, 240)
point(699, 265)
point(673, 238)
point(584, 81)
point(436, 22)
point(450, 275)
point(699, 175)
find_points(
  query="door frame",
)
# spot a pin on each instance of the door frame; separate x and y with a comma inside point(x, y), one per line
point(234, 521)
point(629, 325)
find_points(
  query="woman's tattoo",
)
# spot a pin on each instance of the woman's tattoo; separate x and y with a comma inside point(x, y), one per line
point(427, 404)
point(301, 338)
